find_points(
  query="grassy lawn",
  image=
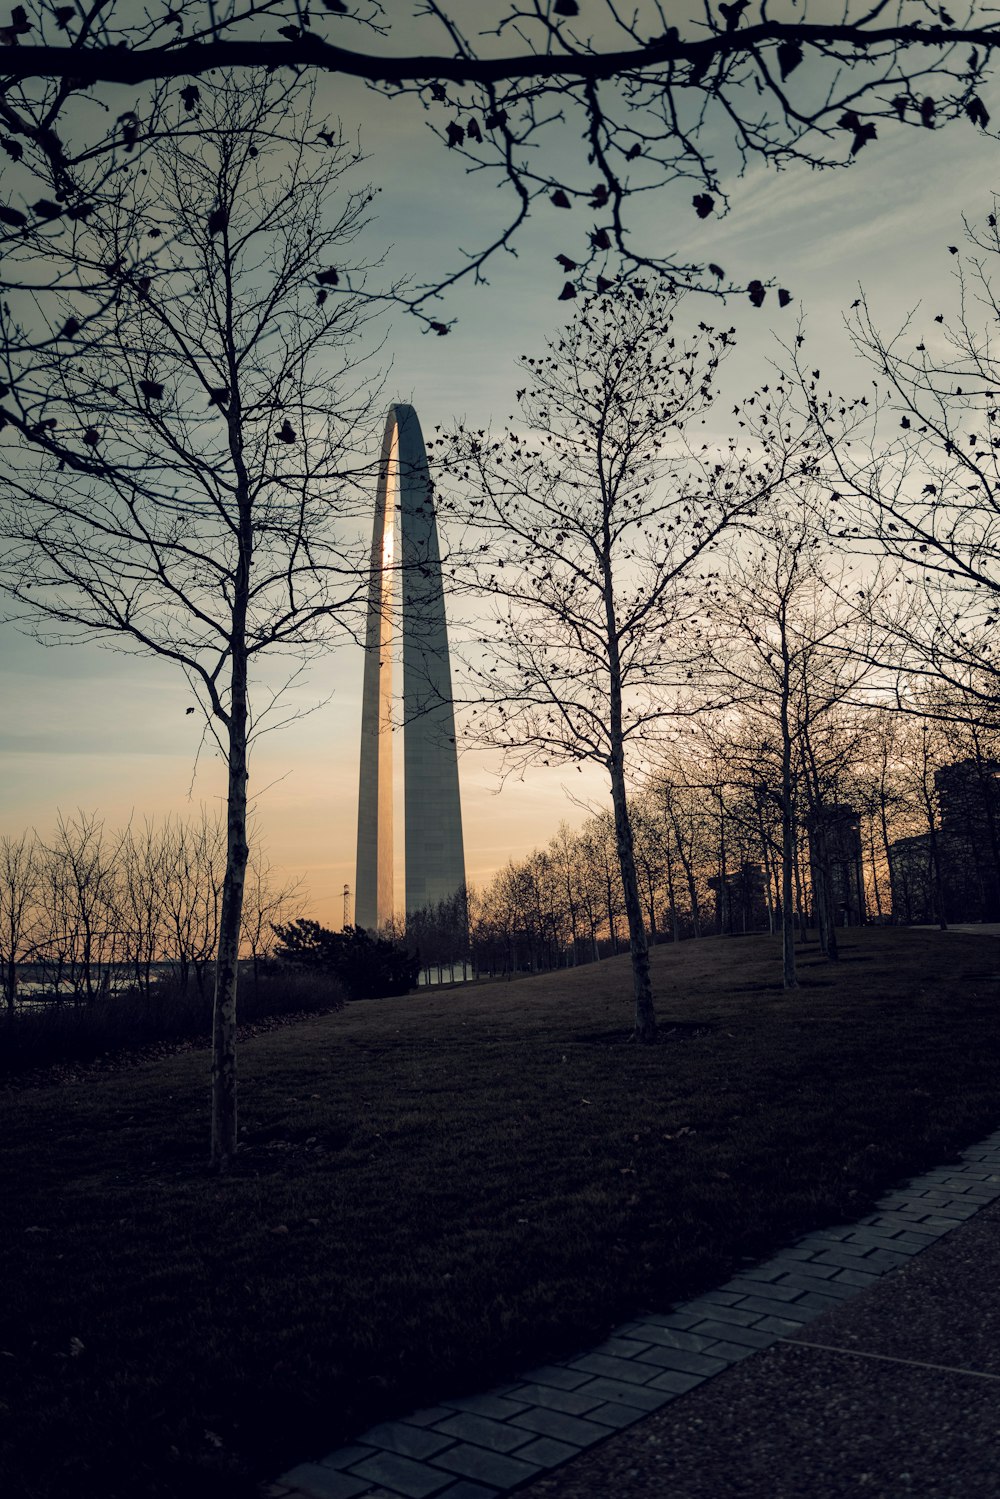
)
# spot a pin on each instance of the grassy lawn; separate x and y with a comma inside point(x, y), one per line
point(439, 1190)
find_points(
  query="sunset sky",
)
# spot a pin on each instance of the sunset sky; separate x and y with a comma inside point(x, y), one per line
point(84, 727)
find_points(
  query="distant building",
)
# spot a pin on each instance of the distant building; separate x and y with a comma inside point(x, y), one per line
point(409, 565)
point(835, 854)
point(740, 900)
point(967, 837)
point(968, 794)
point(911, 880)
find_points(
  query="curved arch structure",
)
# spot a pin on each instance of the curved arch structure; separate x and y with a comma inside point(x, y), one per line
point(407, 559)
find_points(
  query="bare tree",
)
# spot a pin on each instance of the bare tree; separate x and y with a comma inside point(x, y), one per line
point(655, 97)
point(927, 792)
point(194, 867)
point(564, 858)
point(142, 903)
point(769, 664)
point(882, 799)
point(783, 634)
point(680, 791)
point(915, 478)
point(88, 860)
point(20, 875)
point(652, 858)
point(178, 455)
point(267, 903)
point(57, 939)
point(593, 890)
point(102, 911)
point(924, 787)
point(593, 529)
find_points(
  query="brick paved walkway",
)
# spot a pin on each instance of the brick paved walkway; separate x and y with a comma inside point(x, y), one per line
point(483, 1446)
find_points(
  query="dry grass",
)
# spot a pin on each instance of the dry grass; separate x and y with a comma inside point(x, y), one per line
point(437, 1190)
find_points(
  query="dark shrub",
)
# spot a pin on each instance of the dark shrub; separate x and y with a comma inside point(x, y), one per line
point(368, 967)
point(38, 1035)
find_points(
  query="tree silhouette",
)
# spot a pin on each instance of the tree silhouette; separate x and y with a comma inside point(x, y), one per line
point(653, 97)
point(795, 652)
point(597, 518)
point(913, 470)
point(179, 451)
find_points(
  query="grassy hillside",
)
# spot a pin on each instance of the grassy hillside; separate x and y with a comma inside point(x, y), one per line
point(438, 1190)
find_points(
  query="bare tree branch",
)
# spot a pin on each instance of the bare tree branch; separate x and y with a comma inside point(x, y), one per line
point(686, 102)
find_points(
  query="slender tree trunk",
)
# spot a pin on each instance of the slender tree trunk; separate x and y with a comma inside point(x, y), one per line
point(672, 896)
point(789, 975)
point(876, 892)
point(695, 903)
point(689, 875)
point(832, 940)
point(571, 906)
point(225, 1122)
point(788, 842)
point(894, 898)
point(645, 1016)
point(822, 876)
point(723, 870)
point(692, 884)
point(991, 893)
point(651, 906)
point(224, 1101)
point(799, 893)
point(88, 973)
point(609, 901)
point(860, 895)
point(765, 852)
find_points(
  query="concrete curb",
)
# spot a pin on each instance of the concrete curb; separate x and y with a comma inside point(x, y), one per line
point(484, 1446)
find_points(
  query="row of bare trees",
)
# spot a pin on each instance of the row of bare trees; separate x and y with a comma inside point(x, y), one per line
point(712, 846)
point(837, 558)
point(88, 911)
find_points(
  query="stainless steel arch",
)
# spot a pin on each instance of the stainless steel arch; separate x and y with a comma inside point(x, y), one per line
point(434, 851)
